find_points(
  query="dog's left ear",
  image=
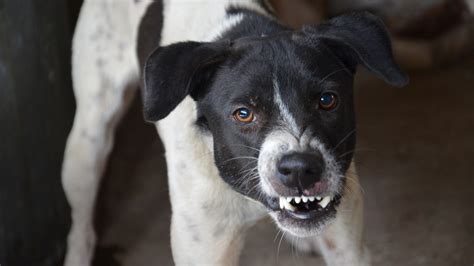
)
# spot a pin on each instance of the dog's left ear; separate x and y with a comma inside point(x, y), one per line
point(175, 71)
point(360, 38)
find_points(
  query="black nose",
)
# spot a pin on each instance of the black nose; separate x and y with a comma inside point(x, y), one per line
point(300, 170)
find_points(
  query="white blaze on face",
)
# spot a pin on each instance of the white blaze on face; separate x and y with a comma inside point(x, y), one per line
point(285, 114)
point(283, 140)
point(276, 144)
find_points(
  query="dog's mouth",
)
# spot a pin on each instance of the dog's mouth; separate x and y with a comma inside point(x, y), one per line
point(304, 216)
point(307, 207)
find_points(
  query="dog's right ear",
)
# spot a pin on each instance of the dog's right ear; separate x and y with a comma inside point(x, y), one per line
point(175, 71)
point(360, 38)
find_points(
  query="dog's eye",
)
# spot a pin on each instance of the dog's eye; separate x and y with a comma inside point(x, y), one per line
point(244, 115)
point(327, 101)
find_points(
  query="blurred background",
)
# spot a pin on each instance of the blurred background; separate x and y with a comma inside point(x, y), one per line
point(415, 151)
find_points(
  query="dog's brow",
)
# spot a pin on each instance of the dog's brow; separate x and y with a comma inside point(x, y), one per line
point(328, 84)
point(284, 111)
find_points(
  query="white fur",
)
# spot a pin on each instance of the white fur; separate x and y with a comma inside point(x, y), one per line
point(281, 142)
point(209, 218)
point(105, 75)
point(284, 111)
point(230, 22)
point(197, 20)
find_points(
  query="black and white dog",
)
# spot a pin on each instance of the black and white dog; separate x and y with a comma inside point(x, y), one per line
point(256, 119)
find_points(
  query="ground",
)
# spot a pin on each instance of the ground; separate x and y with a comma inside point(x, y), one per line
point(415, 157)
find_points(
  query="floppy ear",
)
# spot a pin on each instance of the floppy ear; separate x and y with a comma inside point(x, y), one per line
point(360, 38)
point(175, 71)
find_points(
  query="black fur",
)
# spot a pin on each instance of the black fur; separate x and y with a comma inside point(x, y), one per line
point(239, 68)
point(360, 38)
point(178, 70)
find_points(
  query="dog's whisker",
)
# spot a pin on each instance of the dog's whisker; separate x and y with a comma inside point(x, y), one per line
point(346, 153)
point(246, 170)
point(295, 251)
point(241, 158)
point(358, 186)
point(248, 173)
point(357, 150)
point(253, 189)
point(251, 183)
point(345, 138)
point(293, 248)
point(279, 244)
point(245, 146)
point(256, 186)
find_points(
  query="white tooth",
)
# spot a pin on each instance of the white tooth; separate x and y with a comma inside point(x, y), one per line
point(311, 198)
point(318, 198)
point(289, 206)
point(305, 199)
point(297, 200)
point(325, 201)
point(289, 199)
point(282, 203)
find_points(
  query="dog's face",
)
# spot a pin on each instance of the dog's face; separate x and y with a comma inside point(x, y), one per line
point(279, 110)
point(282, 120)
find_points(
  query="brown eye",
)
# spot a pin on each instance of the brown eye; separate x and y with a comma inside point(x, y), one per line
point(327, 101)
point(244, 115)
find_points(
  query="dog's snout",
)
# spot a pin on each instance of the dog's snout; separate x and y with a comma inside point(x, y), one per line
point(300, 170)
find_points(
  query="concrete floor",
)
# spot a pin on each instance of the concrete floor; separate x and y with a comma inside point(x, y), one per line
point(415, 158)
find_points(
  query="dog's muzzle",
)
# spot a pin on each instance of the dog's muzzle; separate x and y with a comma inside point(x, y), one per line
point(302, 182)
point(301, 174)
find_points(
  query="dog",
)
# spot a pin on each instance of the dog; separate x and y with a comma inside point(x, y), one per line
point(256, 119)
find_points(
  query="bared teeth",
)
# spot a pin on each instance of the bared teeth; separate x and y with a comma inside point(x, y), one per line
point(325, 201)
point(284, 204)
point(290, 207)
point(289, 203)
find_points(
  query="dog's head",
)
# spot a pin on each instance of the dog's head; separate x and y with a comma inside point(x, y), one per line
point(279, 109)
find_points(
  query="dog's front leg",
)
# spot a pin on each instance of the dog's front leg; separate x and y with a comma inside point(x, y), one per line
point(105, 78)
point(205, 240)
point(209, 219)
point(208, 225)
